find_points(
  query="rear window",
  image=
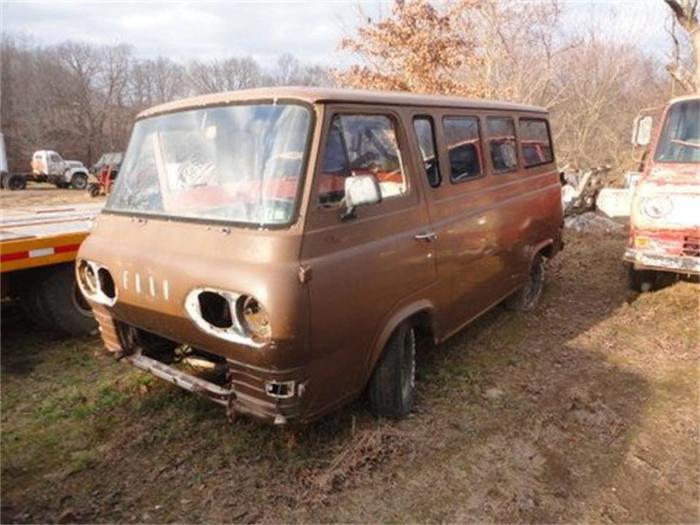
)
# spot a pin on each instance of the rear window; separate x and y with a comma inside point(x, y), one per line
point(535, 142)
point(463, 146)
point(501, 132)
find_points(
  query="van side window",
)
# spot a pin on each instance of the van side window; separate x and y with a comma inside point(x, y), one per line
point(361, 145)
point(462, 135)
point(501, 131)
point(535, 142)
point(55, 158)
point(425, 133)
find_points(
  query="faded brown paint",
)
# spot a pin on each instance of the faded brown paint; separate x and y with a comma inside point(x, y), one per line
point(336, 290)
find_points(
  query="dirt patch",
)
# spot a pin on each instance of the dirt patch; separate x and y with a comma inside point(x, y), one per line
point(40, 194)
point(584, 410)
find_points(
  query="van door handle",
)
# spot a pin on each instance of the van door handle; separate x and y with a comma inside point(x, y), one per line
point(427, 236)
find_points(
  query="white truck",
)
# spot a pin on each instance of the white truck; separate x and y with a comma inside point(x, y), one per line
point(49, 166)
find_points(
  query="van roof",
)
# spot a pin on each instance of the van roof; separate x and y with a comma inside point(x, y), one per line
point(683, 98)
point(313, 95)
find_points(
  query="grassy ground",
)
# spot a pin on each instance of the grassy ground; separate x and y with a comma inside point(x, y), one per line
point(585, 410)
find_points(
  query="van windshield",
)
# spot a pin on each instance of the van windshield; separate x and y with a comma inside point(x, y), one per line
point(680, 137)
point(239, 164)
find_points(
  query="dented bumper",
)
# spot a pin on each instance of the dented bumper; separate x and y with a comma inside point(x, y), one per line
point(663, 262)
point(665, 250)
point(273, 396)
point(276, 409)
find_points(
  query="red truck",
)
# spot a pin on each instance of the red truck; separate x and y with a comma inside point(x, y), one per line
point(664, 238)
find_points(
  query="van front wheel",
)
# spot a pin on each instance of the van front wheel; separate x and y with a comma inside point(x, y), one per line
point(527, 297)
point(392, 385)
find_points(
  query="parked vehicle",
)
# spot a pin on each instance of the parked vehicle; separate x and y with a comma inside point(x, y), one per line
point(111, 160)
point(37, 253)
point(298, 241)
point(49, 166)
point(664, 239)
point(9, 181)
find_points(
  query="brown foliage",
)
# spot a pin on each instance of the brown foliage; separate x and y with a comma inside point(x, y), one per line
point(416, 49)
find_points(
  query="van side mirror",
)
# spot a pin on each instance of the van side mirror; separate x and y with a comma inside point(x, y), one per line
point(641, 130)
point(360, 190)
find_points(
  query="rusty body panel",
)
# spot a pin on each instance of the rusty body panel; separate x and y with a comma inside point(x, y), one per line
point(334, 290)
point(669, 242)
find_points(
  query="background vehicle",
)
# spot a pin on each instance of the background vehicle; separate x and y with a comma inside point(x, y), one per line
point(104, 172)
point(37, 250)
point(49, 166)
point(664, 239)
point(10, 181)
point(112, 160)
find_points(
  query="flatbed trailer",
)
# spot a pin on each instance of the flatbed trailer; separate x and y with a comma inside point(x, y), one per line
point(38, 246)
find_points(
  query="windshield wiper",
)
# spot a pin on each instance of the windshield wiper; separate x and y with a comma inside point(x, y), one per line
point(685, 143)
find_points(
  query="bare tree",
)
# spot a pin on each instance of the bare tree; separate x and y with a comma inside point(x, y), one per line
point(593, 86)
point(686, 13)
point(225, 75)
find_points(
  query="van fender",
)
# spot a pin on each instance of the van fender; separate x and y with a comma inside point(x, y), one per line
point(398, 317)
point(540, 247)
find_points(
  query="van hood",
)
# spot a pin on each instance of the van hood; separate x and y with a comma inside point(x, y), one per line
point(156, 263)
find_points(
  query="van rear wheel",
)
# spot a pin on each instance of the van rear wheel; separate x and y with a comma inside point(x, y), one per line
point(392, 385)
point(527, 297)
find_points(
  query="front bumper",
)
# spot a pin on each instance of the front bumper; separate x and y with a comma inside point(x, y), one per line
point(234, 398)
point(668, 263)
point(273, 396)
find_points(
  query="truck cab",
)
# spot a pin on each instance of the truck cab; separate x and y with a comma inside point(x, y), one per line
point(664, 236)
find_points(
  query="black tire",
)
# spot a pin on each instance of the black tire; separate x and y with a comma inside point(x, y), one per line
point(527, 297)
point(392, 387)
point(641, 281)
point(79, 181)
point(15, 182)
point(58, 303)
point(30, 298)
point(94, 189)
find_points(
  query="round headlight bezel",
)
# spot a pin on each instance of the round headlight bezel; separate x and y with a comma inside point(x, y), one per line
point(657, 207)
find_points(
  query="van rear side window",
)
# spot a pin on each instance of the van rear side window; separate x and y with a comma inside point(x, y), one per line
point(535, 142)
point(361, 145)
point(425, 134)
point(463, 146)
point(501, 131)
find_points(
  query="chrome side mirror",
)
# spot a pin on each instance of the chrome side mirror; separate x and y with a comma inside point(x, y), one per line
point(360, 190)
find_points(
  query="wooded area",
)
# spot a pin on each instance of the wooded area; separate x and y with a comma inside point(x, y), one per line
point(81, 99)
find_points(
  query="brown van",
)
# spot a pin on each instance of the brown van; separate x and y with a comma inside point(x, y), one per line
point(280, 250)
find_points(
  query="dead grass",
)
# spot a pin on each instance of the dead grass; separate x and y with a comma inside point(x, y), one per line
point(42, 194)
point(595, 419)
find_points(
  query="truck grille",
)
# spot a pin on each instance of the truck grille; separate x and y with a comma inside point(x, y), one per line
point(691, 246)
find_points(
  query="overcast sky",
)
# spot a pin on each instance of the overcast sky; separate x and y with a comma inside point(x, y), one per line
point(265, 29)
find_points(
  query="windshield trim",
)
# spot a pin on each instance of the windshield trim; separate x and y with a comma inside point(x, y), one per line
point(294, 216)
point(662, 129)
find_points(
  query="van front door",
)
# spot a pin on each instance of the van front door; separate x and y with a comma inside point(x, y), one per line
point(362, 269)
